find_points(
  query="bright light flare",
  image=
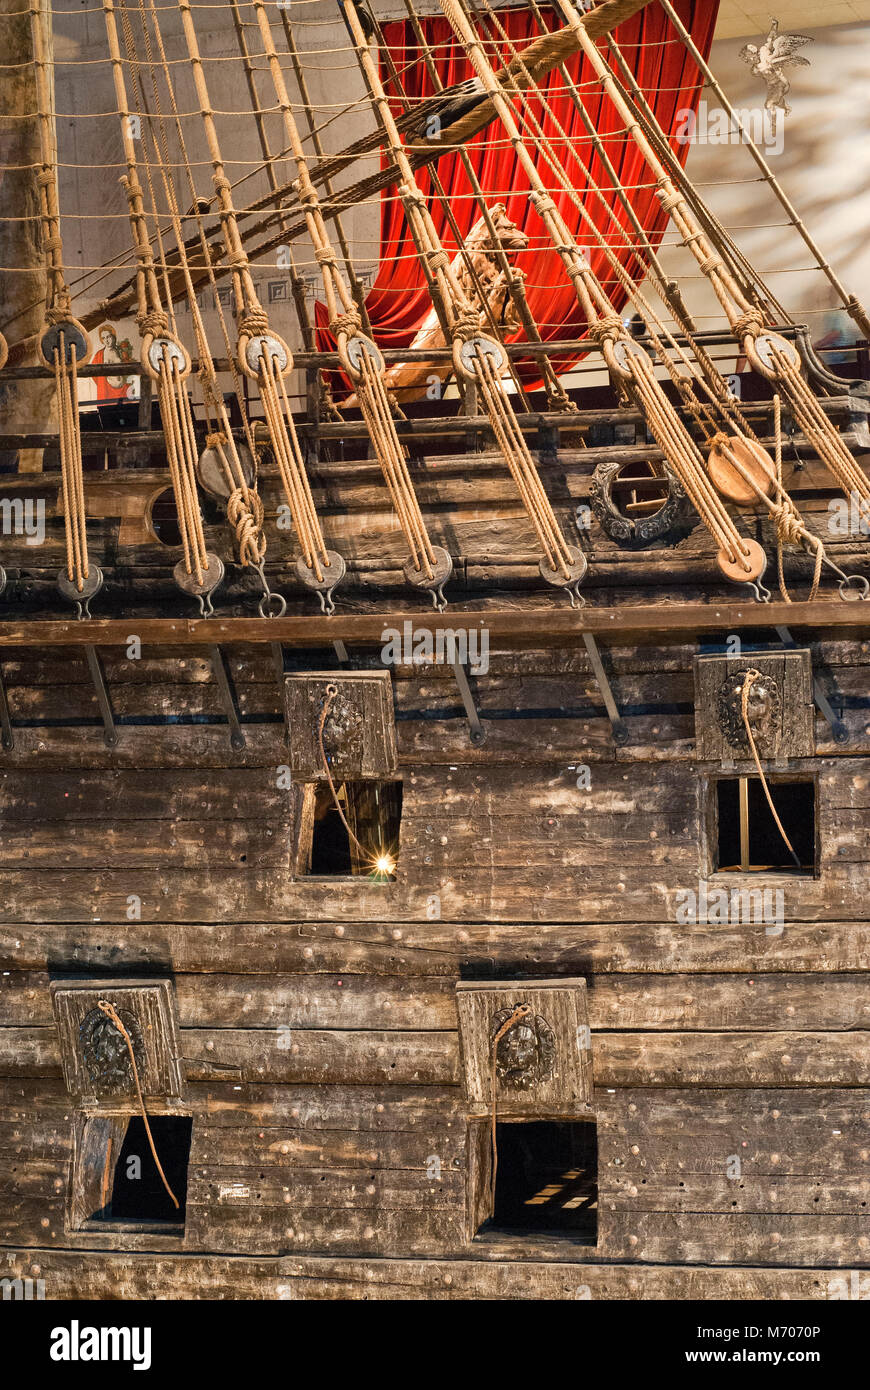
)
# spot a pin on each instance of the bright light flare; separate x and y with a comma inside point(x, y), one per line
point(385, 864)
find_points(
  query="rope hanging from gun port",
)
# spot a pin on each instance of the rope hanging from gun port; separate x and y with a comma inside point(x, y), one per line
point(751, 678)
point(111, 1013)
point(359, 355)
point(477, 358)
point(264, 357)
point(164, 358)
point(64, 344)
point(385, 864)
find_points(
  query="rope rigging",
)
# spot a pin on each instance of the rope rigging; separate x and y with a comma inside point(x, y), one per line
point(736, 444)
point(705, 438)
point(741, 560)
point(164, 358)
point(64, 345)
point(265, 358)
point(428, 566)
point(478, 358)
point(767, 352)
point(224, 468)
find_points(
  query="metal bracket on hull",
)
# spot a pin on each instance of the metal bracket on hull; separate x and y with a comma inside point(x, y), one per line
point(8, 738)
point(476, 731)
point(110, 733)
point(617, 723)
point(228, 700)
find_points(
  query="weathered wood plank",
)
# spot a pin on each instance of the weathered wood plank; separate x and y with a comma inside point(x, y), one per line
point(543, 626)
point(108, 1275)
point(435, 948)
point(703, 1238)
point(401, 1000)
point(432, 1058)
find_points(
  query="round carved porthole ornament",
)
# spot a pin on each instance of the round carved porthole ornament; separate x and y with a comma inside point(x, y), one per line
point(765, 702)
point(526, 1054)
point(672, 521)
point(105, 1053)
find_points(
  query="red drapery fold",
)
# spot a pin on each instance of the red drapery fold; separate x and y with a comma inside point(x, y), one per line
point(398, 300)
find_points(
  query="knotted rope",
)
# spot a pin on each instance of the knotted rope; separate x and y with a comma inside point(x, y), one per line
point(111, 1013)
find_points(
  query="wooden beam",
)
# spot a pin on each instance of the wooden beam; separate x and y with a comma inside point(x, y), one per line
point(539, 58)
point(527, 627)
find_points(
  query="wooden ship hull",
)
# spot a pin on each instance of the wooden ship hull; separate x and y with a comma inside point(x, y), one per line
point(565, 916)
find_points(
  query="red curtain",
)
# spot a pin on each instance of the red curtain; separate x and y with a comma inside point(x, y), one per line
point(398, 300)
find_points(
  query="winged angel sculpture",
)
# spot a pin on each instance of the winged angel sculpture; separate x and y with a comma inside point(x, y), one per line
point(771, 61)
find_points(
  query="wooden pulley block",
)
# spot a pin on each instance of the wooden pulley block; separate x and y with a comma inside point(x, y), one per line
point(465, 355)
point(332, 571)
point(254, 349)
point(212, 475)
point(618, 356)
point(443, 568)
point(62, 337)
point(577, 568)
point(749, 566)
point(728, 480)
point(91, 586)
point(760, 354)
point(353, 350)
point(212, 575)
point(165, 347)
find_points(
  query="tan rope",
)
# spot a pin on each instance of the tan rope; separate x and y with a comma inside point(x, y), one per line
point(751, 678)
point(520, 1012)
point(254, 322)
point(820, 432)
point(153, 322)
point(605, 325)
point(59, 315)
point(346, 322)
point(72, 473)
point(111, 1013)
point(745, 318)
point(244, 507)
point(463, 324)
